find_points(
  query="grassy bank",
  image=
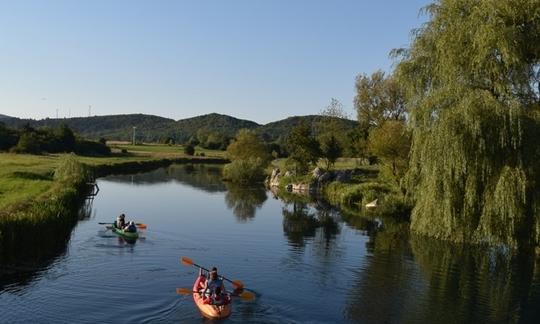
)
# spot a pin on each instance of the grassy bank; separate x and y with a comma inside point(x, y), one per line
point(363, 187)
point(27, 179)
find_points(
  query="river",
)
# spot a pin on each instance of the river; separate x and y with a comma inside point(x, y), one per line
point(305, 261)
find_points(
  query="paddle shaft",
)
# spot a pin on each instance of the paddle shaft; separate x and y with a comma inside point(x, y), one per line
point(139, 225)
point(201, 267)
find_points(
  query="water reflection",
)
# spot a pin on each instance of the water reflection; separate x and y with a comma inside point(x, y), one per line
point(475, 284)
point(301, 221)
point(365, 269)
point(385, 287)
point(206, 177)
point(244, 200)
point(27, 248)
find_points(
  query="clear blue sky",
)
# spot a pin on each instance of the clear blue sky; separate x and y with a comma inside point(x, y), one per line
point(257, 60)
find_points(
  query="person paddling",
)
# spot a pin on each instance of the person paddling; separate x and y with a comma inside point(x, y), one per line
point(130, 227)
point(213, 287)
point(120, 221)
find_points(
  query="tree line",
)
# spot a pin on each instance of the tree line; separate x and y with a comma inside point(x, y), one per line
point(48, 140)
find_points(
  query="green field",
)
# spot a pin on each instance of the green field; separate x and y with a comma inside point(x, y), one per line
point(163, 150)
point(25, 178)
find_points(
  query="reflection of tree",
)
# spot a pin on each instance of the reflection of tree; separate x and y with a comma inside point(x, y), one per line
point(206, 177)
point(384, 287)
point(304, 222)
point(243, 200)
point(299, 224)
point(472, 284)
point(455, 283)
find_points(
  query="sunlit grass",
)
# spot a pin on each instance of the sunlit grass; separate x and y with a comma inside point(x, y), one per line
point(164, 150)
point(25, 177)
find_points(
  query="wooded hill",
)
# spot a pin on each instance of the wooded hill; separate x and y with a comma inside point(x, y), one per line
point(150, 128)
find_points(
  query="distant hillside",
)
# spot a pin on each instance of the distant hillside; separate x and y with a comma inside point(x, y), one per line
point(279, 130)
point(4, 116)
point(117, 127)
point(152, 128)
point(227, 125)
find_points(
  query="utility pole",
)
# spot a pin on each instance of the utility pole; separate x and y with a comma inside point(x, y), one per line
point(134, 128)
point(90, 111)
point(56, 113)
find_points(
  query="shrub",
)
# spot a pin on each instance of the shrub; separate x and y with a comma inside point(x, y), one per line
point(189, 149)
point(91, 148)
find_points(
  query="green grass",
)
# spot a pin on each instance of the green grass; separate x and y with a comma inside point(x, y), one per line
point(164, 150)
point(25, 178)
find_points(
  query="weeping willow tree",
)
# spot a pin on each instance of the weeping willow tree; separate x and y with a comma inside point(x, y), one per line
point(472, 84)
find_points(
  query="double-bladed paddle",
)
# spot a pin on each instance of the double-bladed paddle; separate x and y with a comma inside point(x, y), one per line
point(139, 225)
point(236, 283)
point(244, 295)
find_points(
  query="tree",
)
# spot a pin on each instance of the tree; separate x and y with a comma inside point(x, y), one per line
point(303, 148)
point(28, 143)
point(189, 149)
point(391, 142)
point(330, 150)
point(330, 127)
point(471, 81)
point(247, 145)
point(249, 157)
point(378, 99)
point(8, 137)
point(334, 109)
point(65, 138)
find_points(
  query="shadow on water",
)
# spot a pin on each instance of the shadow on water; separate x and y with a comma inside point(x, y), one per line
point(244, 201)
point(205, 177)
point(27, 248)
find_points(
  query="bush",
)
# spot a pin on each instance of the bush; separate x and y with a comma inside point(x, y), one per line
point(28, 143)
point(91, 148)
point(251, 170)
point(189, 149)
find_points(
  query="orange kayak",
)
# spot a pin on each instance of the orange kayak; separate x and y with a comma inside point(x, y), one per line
point(207, 309)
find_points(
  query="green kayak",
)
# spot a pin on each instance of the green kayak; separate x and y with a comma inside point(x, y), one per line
point(121, 232)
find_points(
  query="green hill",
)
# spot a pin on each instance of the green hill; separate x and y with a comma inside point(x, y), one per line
point(150, 128)
point(116, 127)
point(183, 129)
point(279, 130)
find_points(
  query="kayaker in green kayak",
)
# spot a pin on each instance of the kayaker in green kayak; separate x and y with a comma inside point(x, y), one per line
point(120, 221)
point(130, 227)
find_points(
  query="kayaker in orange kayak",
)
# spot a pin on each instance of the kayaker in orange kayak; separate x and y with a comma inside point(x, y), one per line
point(213, 290)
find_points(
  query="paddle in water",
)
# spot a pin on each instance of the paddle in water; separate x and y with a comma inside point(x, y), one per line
point(236, 283)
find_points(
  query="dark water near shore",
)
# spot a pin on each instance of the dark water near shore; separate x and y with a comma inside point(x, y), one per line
point(306, 262)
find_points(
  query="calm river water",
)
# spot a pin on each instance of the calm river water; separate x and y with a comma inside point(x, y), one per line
point(306, 262)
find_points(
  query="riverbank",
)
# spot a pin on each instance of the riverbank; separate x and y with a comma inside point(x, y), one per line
point(347, 187)
point(29, 180)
